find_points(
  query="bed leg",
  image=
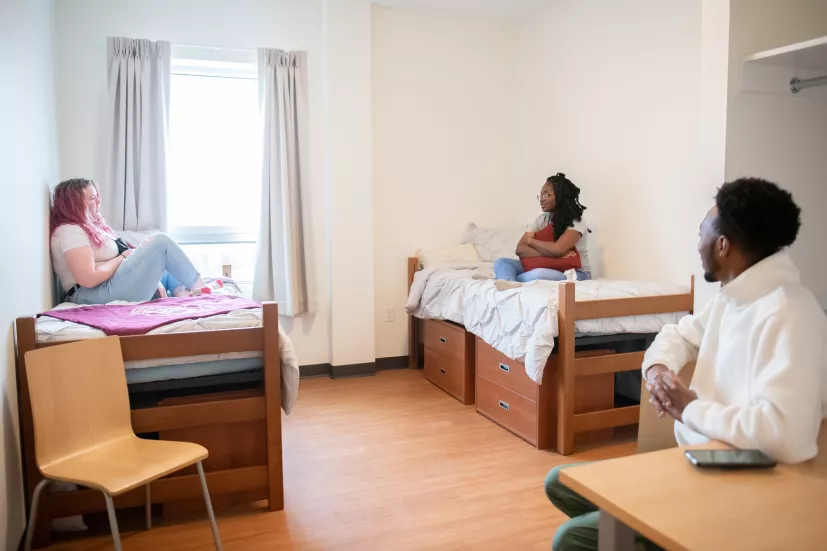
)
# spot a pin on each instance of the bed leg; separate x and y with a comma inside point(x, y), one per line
point(413, 342)
point(565, 368)
point(272, 400)
point(413, 345)
point(26, 340)
point(692, 292)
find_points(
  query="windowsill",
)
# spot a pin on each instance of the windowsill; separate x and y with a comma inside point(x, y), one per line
point(211, 236)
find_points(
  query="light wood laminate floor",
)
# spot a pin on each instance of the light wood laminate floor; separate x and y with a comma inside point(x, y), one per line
point(386, 462)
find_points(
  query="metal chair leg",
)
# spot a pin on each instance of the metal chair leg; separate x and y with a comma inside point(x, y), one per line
point(148, 508)
point(208, 503)
point(113, 522)
point(33, 513)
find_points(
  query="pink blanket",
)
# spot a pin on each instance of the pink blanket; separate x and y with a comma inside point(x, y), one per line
point(137, 319)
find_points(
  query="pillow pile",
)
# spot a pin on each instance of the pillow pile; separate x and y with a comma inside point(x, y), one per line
point(492, 244)
point(457, 254)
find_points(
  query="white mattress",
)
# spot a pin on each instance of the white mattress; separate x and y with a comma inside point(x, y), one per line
point(522, 323)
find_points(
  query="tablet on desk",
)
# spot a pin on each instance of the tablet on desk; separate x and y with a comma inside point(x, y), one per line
point(730, 459)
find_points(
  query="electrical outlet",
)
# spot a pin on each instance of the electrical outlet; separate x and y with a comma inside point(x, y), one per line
point(389, 314)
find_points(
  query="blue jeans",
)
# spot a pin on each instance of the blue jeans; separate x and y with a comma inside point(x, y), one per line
point(136, 279)
point(169, 283)
point(511, 269)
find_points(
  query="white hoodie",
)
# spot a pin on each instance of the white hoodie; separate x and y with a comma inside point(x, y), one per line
point(761, 372)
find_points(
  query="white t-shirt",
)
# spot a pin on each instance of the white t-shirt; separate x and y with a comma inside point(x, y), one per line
point(580, 226)
point(72, 236)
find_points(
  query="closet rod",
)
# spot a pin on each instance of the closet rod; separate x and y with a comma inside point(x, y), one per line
point(796, 85)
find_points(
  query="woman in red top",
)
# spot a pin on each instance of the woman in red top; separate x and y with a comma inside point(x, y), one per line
point(556, 242)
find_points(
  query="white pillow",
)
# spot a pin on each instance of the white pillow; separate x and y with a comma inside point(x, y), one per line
point(493, 244)
point(457, 254)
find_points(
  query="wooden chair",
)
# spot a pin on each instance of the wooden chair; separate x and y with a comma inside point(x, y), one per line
point(83, 431)
point(655, 434)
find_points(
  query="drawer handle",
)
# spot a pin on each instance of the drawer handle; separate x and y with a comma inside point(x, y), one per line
point(443, 341)
point(442, 371)
point(504, 405)
point(505, 368)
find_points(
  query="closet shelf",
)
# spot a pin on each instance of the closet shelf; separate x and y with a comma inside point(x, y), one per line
point(796, 69)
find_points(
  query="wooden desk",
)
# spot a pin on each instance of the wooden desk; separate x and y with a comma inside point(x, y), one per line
point(680, 507)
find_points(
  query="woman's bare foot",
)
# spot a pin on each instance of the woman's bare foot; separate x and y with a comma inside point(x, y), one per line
point(503, 285)
point(196, 289)
point(181, 291)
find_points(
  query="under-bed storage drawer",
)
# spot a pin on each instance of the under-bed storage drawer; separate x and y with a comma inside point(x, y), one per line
point(508, 397)
point(499, 368)
point(446, 338)
point(447, 375)
point(449, 359)
point(508, 409)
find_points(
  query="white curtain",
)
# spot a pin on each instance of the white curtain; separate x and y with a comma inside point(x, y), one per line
point(137, 117)
point(281, 270)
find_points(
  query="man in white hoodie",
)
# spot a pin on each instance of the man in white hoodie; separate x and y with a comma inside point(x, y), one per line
point(760, 348)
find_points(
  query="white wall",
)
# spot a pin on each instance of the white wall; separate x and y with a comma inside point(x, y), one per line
point(82, 27)
point(712, 118)
point(782, 137)
point(28, 156)
point(443, 135)
point(609, 93)
point(350, 180)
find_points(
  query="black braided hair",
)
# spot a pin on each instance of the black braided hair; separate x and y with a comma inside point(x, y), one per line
point(758, 216)
point(567, 208)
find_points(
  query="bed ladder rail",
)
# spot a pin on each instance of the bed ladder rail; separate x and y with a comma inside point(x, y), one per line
point(611, 363)
point(639, 306)
point(570, 367)
point(606, 419)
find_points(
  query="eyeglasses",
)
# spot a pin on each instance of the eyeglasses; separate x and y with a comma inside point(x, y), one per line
point(544, 196)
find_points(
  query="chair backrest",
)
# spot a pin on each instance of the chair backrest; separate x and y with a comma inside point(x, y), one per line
point(653, 433)
point(79, 397)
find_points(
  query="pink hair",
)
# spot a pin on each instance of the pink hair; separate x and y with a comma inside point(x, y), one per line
point(69, 207)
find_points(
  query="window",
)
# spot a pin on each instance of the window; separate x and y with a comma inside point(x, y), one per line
point(214, 189)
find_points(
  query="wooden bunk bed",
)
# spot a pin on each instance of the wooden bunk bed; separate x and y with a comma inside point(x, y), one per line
point(557, 422)
point(210, 415)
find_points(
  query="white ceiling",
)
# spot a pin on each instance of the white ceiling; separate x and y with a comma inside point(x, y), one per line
point(496, 9)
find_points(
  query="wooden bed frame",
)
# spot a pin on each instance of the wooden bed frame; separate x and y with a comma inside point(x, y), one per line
point(263, 405)
point(566, 368)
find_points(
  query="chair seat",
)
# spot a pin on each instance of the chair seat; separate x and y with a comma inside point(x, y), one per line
point(121, 465)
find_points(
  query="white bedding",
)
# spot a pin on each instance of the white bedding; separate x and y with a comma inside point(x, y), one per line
point(55, 330)
point(522, 323)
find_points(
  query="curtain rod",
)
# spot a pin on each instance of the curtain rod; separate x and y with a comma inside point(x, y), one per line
point(796, 84)
point(214, 47)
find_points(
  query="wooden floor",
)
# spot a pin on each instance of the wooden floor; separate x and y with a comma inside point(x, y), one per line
point(387, 462)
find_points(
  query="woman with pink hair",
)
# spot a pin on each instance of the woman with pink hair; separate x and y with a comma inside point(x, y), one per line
point(95, 266)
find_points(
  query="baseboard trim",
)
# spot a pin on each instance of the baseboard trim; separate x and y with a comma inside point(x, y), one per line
point(314, 370)
point(393, 362)
point(353, 370)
